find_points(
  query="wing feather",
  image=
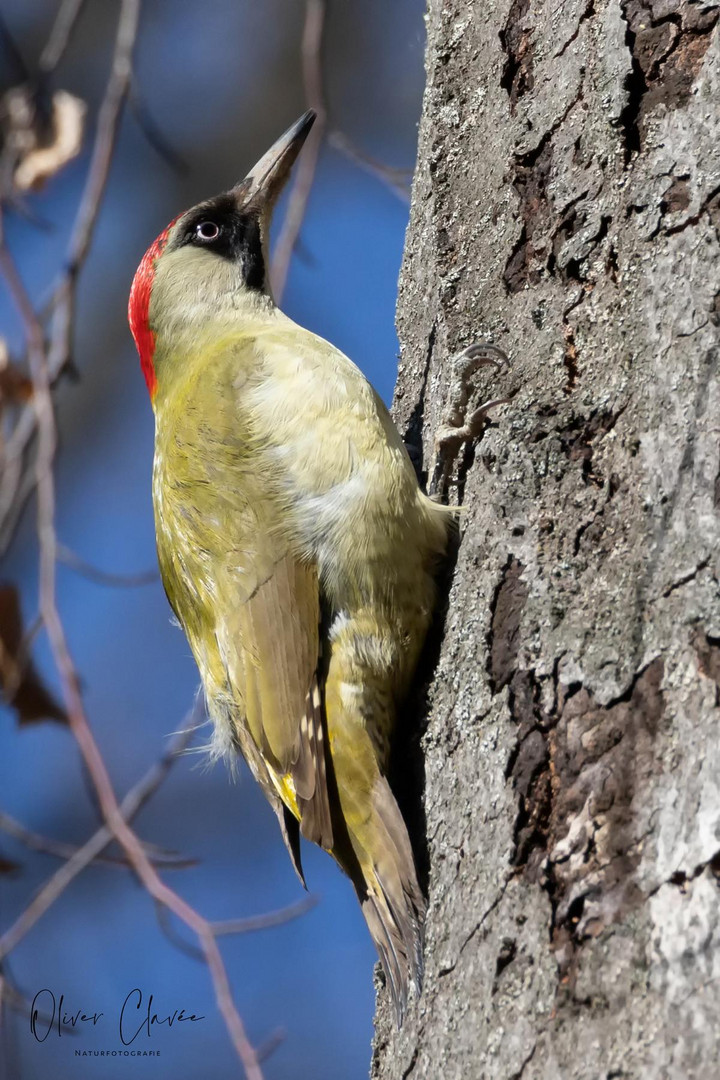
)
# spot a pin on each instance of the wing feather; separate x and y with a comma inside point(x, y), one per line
point(272, 650)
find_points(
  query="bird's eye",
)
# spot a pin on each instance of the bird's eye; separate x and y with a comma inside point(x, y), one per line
point(207, 231)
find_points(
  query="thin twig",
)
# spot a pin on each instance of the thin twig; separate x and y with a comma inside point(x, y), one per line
point(269, 1046)
point(60, 34)
point(18, 478)
point(77, 721)
point(102, 154)
point(131, 805)
point(62, 850)
point(311, 47)
point(247, 925)
point(15, 488)
point(397, 179)
point(43, 368)
point(103, 577)
point(14, 998)
point(153, 133)
point(267, 920)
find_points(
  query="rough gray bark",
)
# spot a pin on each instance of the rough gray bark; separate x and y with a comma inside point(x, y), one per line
point(567, 204)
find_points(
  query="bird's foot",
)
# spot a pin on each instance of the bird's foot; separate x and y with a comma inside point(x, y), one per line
point(456, 426)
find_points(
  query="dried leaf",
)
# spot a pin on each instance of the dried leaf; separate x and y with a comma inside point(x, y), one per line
point(21, 685)
point(15, 386)
point(40, 140)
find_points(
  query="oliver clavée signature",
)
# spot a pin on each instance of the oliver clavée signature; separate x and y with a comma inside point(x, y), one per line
point(137, 1016)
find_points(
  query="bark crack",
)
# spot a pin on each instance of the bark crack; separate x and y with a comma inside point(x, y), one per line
point(685, 579)
point(588, 13)
point(682, 879)
point(666, 50)
point(483, 918)
point(413, 434)
point(526, 1061)
point(515, 38)
point(413, 1063)
point(545, 227)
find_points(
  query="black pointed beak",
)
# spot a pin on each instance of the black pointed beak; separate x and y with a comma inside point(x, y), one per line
point(266, 179)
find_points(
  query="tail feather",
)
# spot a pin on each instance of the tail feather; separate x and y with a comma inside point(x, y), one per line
point(390, 897)
point(370, 839)
point(380, 924)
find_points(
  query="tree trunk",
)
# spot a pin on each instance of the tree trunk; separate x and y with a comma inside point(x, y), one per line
point(567, 205)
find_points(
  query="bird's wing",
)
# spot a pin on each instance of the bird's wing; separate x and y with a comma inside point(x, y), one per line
point(245, 598)
point(272, 648)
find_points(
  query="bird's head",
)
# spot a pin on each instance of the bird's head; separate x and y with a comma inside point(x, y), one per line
point(212, 257)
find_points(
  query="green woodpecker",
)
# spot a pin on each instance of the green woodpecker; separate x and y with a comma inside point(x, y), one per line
point(295, 545)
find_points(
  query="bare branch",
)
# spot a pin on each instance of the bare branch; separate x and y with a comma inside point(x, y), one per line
point(398, 180)
point(154, 133)
point(131, 805)
point(14, 998)
point(247, 925)
point(46, 361)
point(49, 846)
point(60, 34)
point(102, 577)
point(268, 919)
point(86, 219)
point(43, 369)
point(307, 165)
point(17, 483)
point(18, 480)
point(269, 1046)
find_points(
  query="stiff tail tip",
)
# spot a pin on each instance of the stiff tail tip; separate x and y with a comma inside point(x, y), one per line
point(397, 930)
